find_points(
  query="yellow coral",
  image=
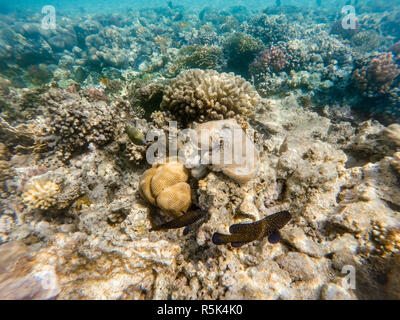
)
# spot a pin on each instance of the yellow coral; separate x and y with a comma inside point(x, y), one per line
point(388, 239)
point(40, 194)
point(165, 186)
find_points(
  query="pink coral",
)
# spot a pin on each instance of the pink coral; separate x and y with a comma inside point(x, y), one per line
point(272, 59)
point(377, 76)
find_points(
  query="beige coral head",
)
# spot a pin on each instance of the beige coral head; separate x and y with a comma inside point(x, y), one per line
point(40, 194)
point(175, 199)
point(165, 186)
point(201, 95)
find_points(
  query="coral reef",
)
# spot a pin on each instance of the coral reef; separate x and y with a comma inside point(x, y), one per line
point(201, 57)
point(273, 28)
point(206, 95)
point(97, 222)
point(240, 49)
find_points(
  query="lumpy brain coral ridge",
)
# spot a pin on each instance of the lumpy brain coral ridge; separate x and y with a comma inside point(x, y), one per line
point(209, 95)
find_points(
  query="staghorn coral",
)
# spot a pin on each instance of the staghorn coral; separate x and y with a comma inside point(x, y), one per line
point(375, 78)
point(197, 95)
point(40, 194)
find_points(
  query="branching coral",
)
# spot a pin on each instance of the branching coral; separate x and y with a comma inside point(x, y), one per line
point(197, 95)
point(75, 125)
point(376, 77)
point(270, 60)
point(40, 194)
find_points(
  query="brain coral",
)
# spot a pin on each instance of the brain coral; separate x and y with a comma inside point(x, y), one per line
point(40, 194)
point(165, 186)
point(208, 95)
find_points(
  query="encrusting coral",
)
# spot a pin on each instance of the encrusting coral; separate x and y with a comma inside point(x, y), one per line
point(40, 194)
point(208, 95)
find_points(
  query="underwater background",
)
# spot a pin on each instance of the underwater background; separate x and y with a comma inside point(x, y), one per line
point(315, 84)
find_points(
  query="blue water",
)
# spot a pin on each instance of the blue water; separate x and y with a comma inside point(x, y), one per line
point(96, 6)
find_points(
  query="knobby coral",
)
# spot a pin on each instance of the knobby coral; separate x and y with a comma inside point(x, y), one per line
point(76, 124)
point(269, 60)
point(377, 76)
point(206, 94)
point(40, 194)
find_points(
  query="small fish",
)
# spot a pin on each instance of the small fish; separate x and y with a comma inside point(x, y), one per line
point(104, 81)
point(136, 136)
point(248, 232)
point(182, 221)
